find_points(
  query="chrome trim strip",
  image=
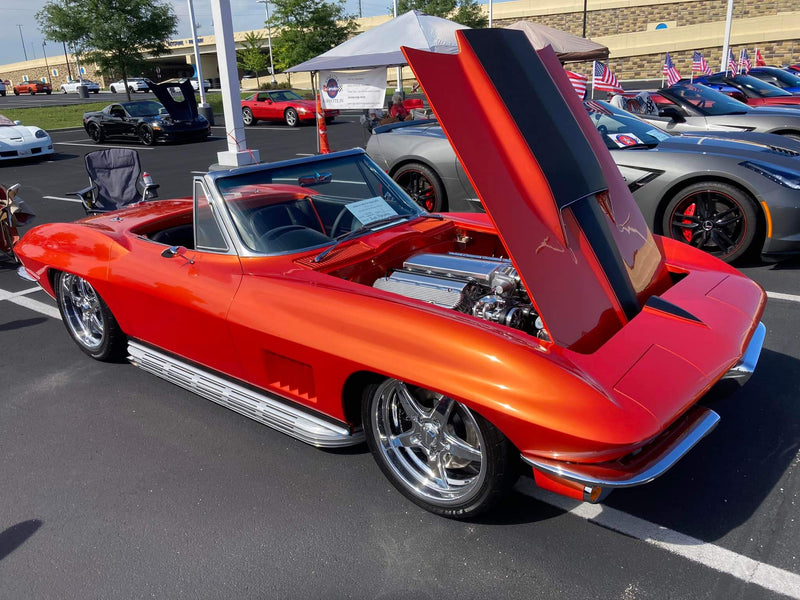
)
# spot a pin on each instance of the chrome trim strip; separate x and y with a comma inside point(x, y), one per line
point(673, 454)
point(266, 408)
point(742, 370)
point(23, 273)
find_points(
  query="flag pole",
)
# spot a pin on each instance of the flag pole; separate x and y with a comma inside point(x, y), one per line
point(662, 71)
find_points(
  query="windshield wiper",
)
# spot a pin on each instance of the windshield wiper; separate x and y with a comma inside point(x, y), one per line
point(371, 226)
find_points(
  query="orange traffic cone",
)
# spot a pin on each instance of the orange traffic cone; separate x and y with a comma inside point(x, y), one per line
point(322, 129)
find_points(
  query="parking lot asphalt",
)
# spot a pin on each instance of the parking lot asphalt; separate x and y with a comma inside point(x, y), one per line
point(116, 484)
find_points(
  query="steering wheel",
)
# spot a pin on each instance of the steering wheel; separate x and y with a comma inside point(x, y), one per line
point(274, 234)
point(338, 221)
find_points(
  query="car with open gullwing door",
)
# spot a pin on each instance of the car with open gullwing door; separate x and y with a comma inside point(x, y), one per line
point(554, 332)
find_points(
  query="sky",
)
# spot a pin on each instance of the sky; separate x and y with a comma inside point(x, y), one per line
point(247, 15)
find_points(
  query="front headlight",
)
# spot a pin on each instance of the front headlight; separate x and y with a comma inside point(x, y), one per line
point(41, 133)
point(302, 110)
point(790, 179)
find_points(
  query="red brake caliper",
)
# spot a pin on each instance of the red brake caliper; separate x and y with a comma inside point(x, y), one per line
point(687, 233)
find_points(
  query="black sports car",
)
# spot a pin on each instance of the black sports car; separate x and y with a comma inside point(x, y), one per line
point(174, 118)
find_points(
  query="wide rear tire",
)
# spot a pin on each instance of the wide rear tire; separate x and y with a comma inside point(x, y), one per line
point(423, 185)
point(88, 319)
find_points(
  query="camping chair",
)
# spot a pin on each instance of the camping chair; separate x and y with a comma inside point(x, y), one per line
point(114, 181)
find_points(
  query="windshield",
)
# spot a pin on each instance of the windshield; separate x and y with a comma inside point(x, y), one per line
point(305, 205)
point(706, 101)
point(146, 108)
point(284, 96)
point(787, 79)
point(621, 130)
point(761, 88)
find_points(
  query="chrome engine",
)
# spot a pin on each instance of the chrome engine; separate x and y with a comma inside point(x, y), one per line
point(487, 288)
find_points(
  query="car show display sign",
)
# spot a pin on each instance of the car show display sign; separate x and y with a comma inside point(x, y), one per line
point(353, 89)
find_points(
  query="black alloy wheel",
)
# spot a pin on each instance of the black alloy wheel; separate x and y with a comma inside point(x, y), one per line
point(712, 216)
point(423, 185)
point(147, 136)
point(95, 132)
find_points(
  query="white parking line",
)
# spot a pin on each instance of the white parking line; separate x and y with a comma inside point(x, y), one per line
point(709, 555)
point(93, 145)
point(779, 296)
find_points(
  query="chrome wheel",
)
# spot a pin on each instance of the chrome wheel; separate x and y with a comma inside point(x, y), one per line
point(83, 314)
point(291, 117)
point(247, 116)
point(432, 444)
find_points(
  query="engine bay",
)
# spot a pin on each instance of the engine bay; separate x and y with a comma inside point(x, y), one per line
point(485, 287)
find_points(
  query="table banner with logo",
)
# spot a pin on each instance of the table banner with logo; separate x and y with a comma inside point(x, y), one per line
point(353, 89)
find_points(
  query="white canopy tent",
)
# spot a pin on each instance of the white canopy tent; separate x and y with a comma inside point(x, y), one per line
point(380, 46)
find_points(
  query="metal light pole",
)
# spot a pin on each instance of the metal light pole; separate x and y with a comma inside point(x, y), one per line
point(66, 60)
point(46, 66)
point(269, 40)
point(21, 39)
point(585, 2)
point(399, 87)
point(490, 14)
point(198, 66)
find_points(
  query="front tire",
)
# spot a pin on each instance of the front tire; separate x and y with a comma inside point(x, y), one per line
point(291, 118)
point(423, 185)
point(95, 132)
point(435, 451)
point(712, 216)
point(247, 117)
point(88, 319)
point(147, 135)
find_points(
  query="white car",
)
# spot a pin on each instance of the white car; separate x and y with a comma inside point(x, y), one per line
point(135, 84)
point(22, 141)
point(196, 86)
point(71, 87)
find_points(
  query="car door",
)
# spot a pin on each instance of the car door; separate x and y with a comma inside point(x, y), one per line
point(178, 300)
point(260, 105)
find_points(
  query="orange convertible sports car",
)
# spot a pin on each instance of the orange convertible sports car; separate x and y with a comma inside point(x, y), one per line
point(314, 296)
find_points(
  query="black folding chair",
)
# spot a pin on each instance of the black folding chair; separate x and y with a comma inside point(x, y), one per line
point(115, 180)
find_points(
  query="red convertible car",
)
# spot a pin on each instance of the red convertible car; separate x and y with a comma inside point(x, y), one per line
point(316, 297)
point(281, 105)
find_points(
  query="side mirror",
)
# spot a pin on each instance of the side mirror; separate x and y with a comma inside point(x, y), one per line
point(672, 113)
point(17, 122)
point(174, 251)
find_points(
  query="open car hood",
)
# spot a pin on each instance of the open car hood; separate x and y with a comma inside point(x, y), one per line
point(180, 110)
point(547, 180)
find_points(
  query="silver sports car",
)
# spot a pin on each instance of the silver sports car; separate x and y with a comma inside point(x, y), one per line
point(687, 107)
point(726, 196)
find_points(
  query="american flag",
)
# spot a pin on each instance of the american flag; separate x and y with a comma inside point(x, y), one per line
point(699, 64)
point(604, 80)
point(578, 82)
point(744, 62)
point(731, 63)
point(760, 62)
point(595, 106)
point(669, 71)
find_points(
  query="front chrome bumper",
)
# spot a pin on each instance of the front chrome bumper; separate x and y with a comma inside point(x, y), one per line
point(742, 370)
point(662, 453)
point(654, 460)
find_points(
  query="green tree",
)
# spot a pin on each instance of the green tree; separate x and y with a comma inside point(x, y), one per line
point(113, 34)
point(466, 12)
point(250, 57)
point(307, 29)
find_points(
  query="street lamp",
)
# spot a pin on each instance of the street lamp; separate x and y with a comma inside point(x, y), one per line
point(46, 66)
point(269, 40)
